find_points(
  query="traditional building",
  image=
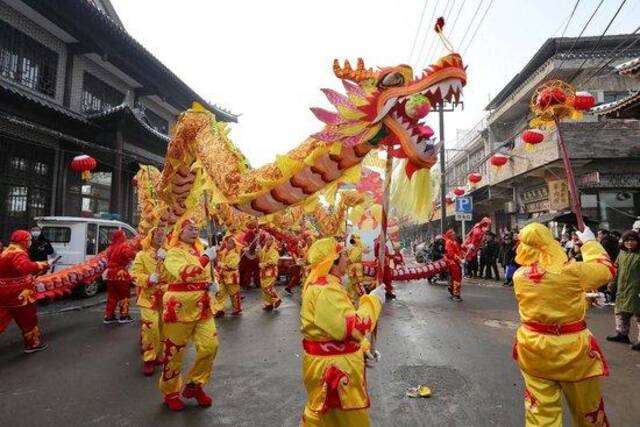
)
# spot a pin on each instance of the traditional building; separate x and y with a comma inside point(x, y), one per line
point(605, 152)
point(73, 81)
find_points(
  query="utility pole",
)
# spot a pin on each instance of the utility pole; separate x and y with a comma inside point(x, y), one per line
point(443, 176)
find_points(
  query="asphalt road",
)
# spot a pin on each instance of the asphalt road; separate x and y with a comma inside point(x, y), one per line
point(90, 375)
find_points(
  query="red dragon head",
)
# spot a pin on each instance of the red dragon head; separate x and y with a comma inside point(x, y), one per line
point(386, 107)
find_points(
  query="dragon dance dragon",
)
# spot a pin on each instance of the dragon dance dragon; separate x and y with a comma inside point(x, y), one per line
point(381, 109)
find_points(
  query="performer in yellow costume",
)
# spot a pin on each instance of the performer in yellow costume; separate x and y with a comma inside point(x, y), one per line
point(268, 255)
point(187, 317)
point(229, 276)
point(334, 340)
point(146, 272)
point(555, 351)
point(356, 269)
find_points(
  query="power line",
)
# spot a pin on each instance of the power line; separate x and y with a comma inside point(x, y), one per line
point(473, 18)
point(575, 40)
point(615, 55)
point(478, 27)
point(415, 38)
point(455, 20)
point(575, 6)
point(434, 40)
point(584, 61)
point(424, 40)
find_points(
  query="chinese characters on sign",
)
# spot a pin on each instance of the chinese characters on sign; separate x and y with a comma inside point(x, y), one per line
point(558, 195)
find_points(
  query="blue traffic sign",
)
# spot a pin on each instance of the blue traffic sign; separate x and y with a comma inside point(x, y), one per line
point(464, 205)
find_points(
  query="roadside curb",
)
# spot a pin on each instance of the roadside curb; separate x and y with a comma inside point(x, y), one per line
point(101, 301)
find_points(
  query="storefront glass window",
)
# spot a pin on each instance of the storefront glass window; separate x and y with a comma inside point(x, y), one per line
point(617, 210)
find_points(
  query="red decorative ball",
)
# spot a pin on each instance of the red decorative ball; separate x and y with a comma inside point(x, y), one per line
point(550, 97)
point(499, 160)
point(533, 136)
point(583, 101)
point(458, 191)
point(474, 178)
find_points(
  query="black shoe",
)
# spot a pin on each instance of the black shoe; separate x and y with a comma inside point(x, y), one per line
point(289, 291)
point(109, 320)
point(40, 347)
point(125, 319)
point(636, 347)
point(624, 339)
point(389, 295)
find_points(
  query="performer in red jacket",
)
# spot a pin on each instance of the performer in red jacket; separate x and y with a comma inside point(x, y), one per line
point(17, 289)
point(121, 253)
point(454, 257)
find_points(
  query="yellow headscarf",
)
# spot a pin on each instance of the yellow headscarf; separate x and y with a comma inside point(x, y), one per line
point(321, 256)
point(537, 245)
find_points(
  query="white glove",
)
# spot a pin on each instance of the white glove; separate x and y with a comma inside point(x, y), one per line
point(378, 292)
point(214, 287)
point(211, 252)
point(154, 278)
point(161, 254)
point(586, 235)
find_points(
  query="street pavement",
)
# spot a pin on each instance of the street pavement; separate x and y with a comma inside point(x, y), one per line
point(90, 375)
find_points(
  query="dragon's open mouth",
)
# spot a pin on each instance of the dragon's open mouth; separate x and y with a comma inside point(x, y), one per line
point(439, 83)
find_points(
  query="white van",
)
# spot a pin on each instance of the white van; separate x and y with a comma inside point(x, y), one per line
point(77, 239)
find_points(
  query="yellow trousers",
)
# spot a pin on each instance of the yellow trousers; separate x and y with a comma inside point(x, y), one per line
point(176, 337)
point(269, 294)
point(335, 418)
point(230, 290)
point(543, 402)
point(150, 334)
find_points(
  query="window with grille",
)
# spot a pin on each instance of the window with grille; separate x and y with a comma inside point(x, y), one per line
point(157, 122)
point(26, 61)
point(98, 96)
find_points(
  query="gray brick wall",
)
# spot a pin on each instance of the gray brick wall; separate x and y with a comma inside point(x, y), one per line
point(33, 30)
point(610, 139)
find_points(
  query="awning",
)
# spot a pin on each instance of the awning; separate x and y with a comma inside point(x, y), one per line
point(568, 218)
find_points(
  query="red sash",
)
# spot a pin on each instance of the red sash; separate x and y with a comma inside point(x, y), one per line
point(559, 329)
point(188, 287)
point(329, 348)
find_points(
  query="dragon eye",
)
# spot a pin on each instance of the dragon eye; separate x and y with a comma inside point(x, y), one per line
point(391, 80)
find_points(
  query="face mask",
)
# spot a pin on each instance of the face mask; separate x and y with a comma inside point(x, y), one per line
point(35, 234)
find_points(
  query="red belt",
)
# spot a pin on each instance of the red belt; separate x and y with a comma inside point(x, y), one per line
point(188, 287)
point(559, 329)
point(329, 348)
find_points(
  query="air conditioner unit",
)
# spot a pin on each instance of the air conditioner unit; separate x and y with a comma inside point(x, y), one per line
point(510, 207)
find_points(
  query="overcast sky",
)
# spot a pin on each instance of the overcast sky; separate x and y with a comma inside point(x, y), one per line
point(267, 60)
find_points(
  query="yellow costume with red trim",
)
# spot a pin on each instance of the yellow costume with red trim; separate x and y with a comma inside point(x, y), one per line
point(149, 300)
point(334, 340)
point(229, 279)
point(356, 269)
point(187, 316)
point(269, 257)
point(555, 351)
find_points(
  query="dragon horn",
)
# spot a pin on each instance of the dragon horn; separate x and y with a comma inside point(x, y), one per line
point(348, 73)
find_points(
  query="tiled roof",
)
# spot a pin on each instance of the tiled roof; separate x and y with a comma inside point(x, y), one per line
point(24, 93)
point(628, 67)
point(612, 107)
point(125, 108)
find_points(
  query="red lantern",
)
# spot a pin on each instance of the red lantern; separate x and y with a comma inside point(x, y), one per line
point(84, 164)
point(550, 97)
point(499, 160)
point(458, 191)
point(533, 136)
point(583, 101)
point(474, 178)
